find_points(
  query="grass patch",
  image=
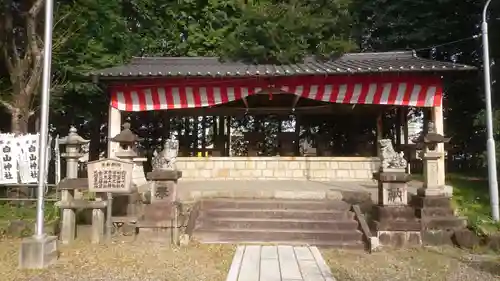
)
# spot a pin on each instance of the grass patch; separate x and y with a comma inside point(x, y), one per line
point(10, 213)
point(418, 264)
point(471, 199)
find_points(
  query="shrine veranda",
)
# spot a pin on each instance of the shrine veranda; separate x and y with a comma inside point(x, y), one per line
point(196, 88)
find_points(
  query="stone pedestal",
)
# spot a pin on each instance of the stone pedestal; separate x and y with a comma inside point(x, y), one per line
point(163, 212)
point(394, 221)
point(437, 218)
point(432, 185)
point(38, 252)
point(433, 204)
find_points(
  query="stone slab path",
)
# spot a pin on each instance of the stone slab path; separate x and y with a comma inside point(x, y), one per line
point(278, 263)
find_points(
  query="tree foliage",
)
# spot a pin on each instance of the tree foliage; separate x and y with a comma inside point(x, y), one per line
point(94, 34)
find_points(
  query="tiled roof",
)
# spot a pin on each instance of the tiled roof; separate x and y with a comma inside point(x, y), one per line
point(350, 63)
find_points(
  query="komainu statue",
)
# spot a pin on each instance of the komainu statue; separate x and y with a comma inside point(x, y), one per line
point(165, 159)
point(389, 157)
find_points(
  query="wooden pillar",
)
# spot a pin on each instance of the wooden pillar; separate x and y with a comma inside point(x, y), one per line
point(379, 132)
point(204, 135)
point(220, 135)
point(228, 131)
point(297, 132)
point(114, 128)
point(399, 122)
point(438, 120)
point(404, 117)
point(166, 125)
point(196, 145)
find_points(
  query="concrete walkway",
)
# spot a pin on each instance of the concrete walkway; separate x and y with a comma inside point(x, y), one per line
point(278, 263)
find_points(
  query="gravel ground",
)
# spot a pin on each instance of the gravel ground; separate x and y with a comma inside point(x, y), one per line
point(434, 264)
point(127, 261)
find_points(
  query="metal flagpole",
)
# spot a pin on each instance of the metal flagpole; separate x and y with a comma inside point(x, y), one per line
point(490, 142)
point(44, 118)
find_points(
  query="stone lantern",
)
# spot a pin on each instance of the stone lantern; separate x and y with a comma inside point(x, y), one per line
point(73, 143)
point(431, 157)
point(128, 143)
point(127, 150)
point(129, 204)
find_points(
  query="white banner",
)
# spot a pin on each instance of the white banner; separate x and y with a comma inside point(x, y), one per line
point(19, 158)
point(8, 159)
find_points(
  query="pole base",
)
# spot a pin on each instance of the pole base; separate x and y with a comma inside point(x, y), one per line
point(38, 252)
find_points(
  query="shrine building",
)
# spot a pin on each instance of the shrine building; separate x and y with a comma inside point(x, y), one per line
point(296, 115)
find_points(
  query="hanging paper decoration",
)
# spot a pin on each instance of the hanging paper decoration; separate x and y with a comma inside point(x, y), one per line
point(8, 159)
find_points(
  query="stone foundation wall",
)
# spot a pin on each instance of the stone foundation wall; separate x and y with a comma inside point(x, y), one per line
point(278, 168)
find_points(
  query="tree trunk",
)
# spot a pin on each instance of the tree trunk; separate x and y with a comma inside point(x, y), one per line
point(19, 121)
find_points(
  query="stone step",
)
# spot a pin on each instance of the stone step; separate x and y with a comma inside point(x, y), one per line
point(276, 214)
point(261, 204)
point(312, 237)
point(350, 245)
point(444, 223)
point(397, 225)
point(158, 223)
point(297, 224)
point(434, 212)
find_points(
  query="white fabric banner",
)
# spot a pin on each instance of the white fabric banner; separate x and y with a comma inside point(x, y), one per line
point(8, 160)
point(19, 158)
point(28, 158)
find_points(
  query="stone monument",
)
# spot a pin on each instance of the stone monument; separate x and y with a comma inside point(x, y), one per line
point(163, 211)
point(395, 221)
point(73, 143)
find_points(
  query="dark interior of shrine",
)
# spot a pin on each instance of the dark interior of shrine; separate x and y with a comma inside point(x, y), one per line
point(267, 124)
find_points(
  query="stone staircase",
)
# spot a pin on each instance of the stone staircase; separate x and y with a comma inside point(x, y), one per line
point(297, 222)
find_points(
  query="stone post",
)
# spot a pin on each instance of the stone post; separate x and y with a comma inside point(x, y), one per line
point(163, 211)
point(395, 221)
point(73, 144)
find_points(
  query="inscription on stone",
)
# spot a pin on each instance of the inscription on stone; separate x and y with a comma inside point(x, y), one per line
point(395, 196)
point(110, 175)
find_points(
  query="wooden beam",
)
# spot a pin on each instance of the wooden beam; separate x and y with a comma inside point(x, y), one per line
point(237, 111)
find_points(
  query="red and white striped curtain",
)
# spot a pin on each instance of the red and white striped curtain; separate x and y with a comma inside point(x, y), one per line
point(416, 90)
